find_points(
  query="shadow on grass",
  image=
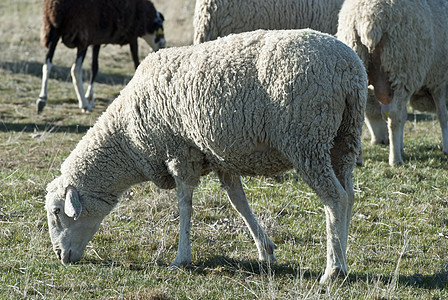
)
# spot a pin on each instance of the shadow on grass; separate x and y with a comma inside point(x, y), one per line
point(421, 117)
point(229, 266)
point(430, 153)
point(437, 281)
point(33, 127)
point(222, 265)
point(61, 73)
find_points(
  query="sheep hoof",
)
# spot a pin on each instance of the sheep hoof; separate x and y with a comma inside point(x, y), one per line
point(181, 260)
point(90, 100)
point(86, 110)
point(268, 254)
point(269, 258)
point(331, 274)
point(40, 104)
point(175, 265)
point(395, 162)
point(445, 152)
point(172, 267)
point(380, 141)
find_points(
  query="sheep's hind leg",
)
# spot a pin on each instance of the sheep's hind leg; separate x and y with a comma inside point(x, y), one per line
point(440, 99)
point(343, 159)
point(316, 172)
point(336, 205)
point(76, 72)
point(184, 197)
point(232, 185)
point(93, 73)
point(43, 96)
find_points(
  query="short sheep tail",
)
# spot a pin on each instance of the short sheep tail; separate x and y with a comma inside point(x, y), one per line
point(45, 33)
point(347, 143)
point(53, 16)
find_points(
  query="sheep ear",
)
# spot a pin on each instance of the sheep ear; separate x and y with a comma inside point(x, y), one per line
point(72, 206)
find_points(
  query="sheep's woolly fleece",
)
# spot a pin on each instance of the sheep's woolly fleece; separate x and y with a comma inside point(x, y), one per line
point(407, 29)
point(414, 39)
point(226, 101)
point(218, 18)
point(254, 103)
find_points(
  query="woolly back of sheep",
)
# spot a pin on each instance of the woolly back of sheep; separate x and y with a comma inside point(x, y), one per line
point(412, 32)
point(218, 18)
point(229, 96)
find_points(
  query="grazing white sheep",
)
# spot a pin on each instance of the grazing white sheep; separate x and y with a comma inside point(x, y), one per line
point(404, 46)
point(218, 18)
point(255, 103)
point(84, 23)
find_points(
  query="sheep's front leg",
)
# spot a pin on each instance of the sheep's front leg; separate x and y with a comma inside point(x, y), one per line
point(232, 185)
point(46, 68)
point(397, 119)
point(76, 72)
point(440, 99)
point(184, 197)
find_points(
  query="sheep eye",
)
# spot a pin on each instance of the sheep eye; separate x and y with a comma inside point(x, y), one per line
point(56, 210)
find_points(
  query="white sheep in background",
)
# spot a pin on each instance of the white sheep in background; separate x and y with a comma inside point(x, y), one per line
point(256, 103)
point(84, 23)
point(218, 18)
point(404, 46)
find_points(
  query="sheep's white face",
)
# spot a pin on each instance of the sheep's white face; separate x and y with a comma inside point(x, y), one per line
point(70, 232)
point(156, 39)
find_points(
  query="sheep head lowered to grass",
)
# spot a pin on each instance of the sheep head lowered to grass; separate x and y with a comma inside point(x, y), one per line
point(255, 103)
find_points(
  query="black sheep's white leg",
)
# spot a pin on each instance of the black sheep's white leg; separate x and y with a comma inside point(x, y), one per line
point(440, 98)
point(93, 73)
point(46, 68)
point(43, 96)
point(232, 185)
point(184, 198)
point(76, 72)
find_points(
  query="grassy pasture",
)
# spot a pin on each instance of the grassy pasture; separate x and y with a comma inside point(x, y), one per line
point(398, 236)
